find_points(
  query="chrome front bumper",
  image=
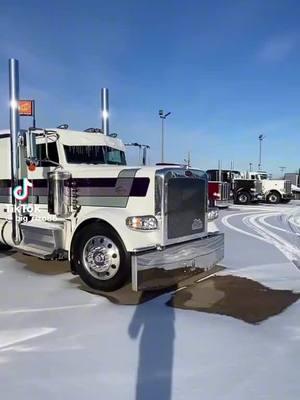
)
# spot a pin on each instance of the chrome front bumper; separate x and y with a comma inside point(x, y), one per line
point(224, 203)
point(155, 269)
point(288, 196)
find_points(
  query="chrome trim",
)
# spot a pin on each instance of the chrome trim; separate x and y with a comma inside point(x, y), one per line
point(162, 177)
point(105, 110)
point(258, 186)
point(14, 120)
point(287, 187)
point(192, 257)
point(158, 194)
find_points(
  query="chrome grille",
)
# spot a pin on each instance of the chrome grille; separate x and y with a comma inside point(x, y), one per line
point(186, 207)
point(258, 186)
point(225, 191)
point(287, 186)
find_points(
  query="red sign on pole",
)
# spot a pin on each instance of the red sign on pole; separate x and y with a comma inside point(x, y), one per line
point(26, 108)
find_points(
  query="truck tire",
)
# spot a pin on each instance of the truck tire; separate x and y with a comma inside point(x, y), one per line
point(100, 258)
point(4, 247)
point(273, 198)
point(243, 198)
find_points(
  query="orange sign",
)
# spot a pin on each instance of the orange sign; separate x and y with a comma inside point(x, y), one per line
point(26, 108)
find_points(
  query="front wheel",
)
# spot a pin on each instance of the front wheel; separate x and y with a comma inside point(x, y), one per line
point(100, 257)
point(273, 198)
point(243, 198)
point(5, 247)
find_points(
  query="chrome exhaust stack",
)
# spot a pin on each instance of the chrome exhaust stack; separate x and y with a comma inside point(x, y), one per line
point(105, 110)
point(14, 137)
point(220, 170)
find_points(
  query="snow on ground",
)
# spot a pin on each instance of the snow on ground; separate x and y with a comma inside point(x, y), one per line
point(59, 342)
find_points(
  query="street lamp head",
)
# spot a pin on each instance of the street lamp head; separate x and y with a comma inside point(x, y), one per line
point(162, 115)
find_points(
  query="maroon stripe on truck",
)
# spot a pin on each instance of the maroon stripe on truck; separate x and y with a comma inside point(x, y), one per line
point(91, 187)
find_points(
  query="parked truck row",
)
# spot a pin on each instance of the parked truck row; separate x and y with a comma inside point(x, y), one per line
point(226, 186)
point(69, 195)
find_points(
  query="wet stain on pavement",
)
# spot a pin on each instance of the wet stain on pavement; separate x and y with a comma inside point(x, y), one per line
point(158, 278)
point(42, 267)
point(234, 296)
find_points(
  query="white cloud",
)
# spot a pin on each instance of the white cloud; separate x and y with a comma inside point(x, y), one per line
point(277, 48)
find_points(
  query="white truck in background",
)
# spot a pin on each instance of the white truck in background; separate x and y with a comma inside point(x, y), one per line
point(69, 195)
point(273, 191)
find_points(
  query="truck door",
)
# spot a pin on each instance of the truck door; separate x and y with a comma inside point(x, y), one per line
point(39, 193)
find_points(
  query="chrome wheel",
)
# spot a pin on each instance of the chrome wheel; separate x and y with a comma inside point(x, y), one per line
point(101, 257)
point(273, 198)
point(243, 198)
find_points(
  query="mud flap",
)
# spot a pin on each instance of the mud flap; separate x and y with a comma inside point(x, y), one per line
point(157, 269)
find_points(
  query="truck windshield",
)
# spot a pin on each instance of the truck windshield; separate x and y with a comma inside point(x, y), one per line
point(94, 155)
point(263, 176)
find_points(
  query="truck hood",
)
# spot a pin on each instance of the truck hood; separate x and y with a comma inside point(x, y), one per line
point(110, 171)
point(114, 171)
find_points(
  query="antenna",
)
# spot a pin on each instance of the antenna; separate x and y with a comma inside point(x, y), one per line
point(187, 160)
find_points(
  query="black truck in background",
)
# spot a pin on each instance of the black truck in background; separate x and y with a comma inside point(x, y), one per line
point(244, 191)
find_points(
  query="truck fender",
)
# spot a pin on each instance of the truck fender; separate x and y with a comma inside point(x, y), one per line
point(236, 192)
point(266, 194)
point(113, 219)
point(242, 190)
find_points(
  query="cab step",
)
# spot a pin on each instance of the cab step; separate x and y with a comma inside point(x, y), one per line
point(42, 239)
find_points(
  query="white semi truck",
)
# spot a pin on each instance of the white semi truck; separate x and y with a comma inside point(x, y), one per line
point(273, 191)
point(69, 195)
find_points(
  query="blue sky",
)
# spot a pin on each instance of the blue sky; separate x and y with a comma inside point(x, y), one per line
point(227, 70)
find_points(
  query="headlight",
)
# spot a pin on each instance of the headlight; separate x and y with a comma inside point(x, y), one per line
point(213, 214)
point(144, 223)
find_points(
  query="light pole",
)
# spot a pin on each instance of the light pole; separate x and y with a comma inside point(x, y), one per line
point(250, 166)
point(163, 116)
point(260, 138)
point(282, 169)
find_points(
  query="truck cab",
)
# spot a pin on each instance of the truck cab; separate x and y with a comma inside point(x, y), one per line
point(274, 191)
point(242, 189)
point(113, 222)
point(219, 188)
